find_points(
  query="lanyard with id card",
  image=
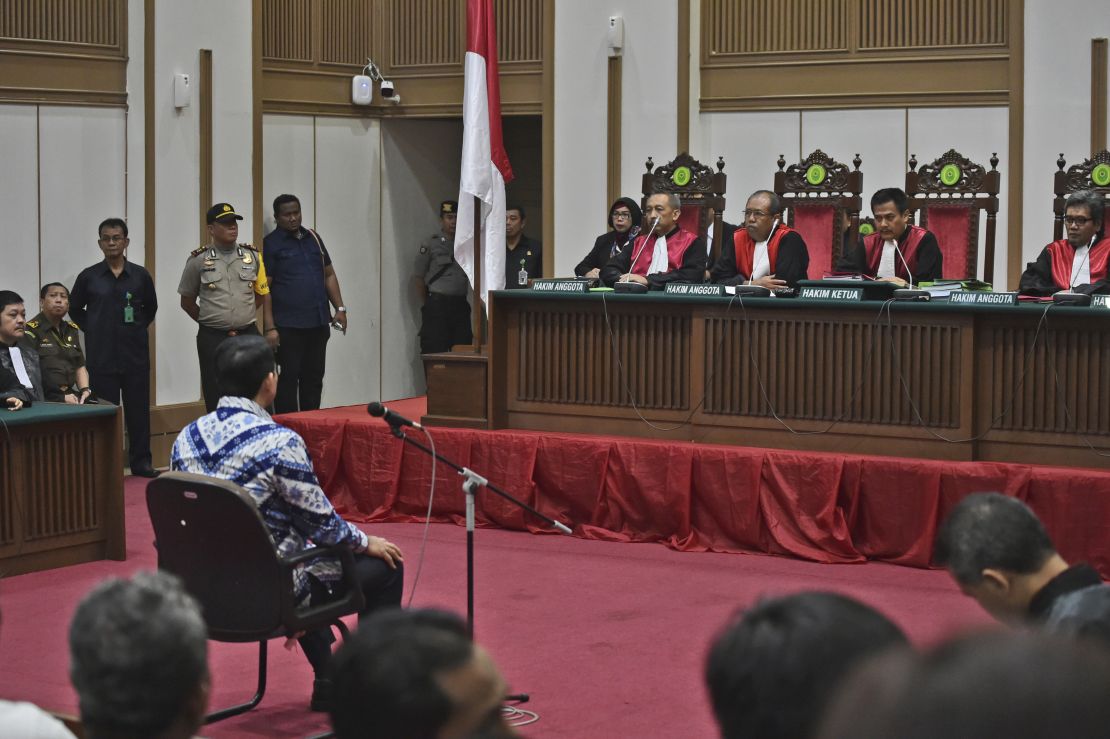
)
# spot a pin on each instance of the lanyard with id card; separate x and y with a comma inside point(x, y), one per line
point(128, 310)
point(522, 275)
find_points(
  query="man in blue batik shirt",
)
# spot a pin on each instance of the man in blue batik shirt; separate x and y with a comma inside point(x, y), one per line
point(241, 443)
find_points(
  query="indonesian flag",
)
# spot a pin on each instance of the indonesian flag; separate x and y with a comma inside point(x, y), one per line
point(485, 164)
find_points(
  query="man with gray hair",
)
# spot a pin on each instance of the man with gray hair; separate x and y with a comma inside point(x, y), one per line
point(999, 553)
point(765, 252)
point(1078, 262)
point(662, 253)
point(139, 659)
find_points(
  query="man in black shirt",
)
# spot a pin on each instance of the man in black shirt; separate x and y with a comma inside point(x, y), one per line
point(114, 303)
point(524, 256)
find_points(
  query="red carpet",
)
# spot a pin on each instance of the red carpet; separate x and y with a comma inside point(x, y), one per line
point(694, 497)
point(608, 639)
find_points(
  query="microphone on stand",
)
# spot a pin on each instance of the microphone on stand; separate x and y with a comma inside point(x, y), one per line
point(910, 293)
point(377, 410)
point(623, 284)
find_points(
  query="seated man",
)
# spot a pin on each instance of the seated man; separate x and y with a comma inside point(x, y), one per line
point(998, 552)
point(765, 252)
point(240, 442)
point(664, 254)
point(1077, 262)
point(416, 674)
point(57, 341)
point(19, 364)
point(624, 224)
point(139, 659)
point(895, 246)
point(772, 671)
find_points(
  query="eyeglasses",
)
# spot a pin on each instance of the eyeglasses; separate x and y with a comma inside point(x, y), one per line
point(112, 239)
point(1077, 220)
point(622, 215)
point(756, 213)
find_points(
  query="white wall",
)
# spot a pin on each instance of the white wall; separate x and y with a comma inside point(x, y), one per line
point(420, 168)
point(648, 114)
point(182, 29)
point(1057, 101)
point(64, 172)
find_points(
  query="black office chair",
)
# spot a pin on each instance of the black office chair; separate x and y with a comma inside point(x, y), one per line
point(209, 533)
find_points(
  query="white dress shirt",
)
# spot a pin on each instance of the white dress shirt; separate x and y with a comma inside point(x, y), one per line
point(887, 263)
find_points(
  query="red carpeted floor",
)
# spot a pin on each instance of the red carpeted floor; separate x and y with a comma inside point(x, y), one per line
point(607, 637)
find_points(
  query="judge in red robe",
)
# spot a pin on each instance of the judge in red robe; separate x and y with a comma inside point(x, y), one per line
point(765, 251)
point(662, 254)
point(895, 244)
point(1077, 262)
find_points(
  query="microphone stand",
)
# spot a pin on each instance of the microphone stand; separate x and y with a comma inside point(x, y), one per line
point(471, 482)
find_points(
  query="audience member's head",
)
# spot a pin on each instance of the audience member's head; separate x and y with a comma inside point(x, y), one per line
point(998, 553)
point(1018, 685)
point(245, 369)
point(772, 670)
point(139, 659)
point(13, 316)
point(418, 675)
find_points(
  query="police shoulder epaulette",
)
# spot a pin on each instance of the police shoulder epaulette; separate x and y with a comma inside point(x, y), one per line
point(198, 251)
point(33, 323)
point(248, 246)
point(71, 323)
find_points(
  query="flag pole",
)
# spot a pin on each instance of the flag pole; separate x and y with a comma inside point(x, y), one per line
point(476, 308)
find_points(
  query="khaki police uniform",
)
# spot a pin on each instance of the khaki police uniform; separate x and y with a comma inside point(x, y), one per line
point(60, 355)
point(445, 316)
point(224, 281)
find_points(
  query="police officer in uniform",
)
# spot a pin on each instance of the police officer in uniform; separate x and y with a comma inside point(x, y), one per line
point(61, 361)
point(445, 317)
point(220, 289)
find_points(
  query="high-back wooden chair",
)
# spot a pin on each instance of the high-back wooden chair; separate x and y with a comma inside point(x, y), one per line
point(1093, 174)
point(698, 188)
point(815, 193)
point(947, 196)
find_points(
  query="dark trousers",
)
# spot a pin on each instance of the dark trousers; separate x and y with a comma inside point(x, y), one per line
point(445, 321)
point(208, 341)
point(301, 356)
point(134, 388)
point(380, 585)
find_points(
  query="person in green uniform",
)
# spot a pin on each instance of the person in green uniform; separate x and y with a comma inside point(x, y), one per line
point(61, 361)
point(221, 286)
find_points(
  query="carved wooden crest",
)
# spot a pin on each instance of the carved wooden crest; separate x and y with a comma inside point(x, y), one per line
point(953, 172)
point(683, 175)
point(1092, 174)
point(818, 173)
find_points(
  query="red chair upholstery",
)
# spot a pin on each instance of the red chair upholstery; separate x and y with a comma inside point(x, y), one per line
point(949, 194)
point(1093, 174)
point(698, 188)
point(815, 194)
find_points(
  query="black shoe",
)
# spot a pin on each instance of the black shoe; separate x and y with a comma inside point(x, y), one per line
point(321, 695)
point(145, 471)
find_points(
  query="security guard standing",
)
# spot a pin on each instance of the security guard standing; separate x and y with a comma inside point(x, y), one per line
point(57, 342)
point(445, 317)
point(220, 289)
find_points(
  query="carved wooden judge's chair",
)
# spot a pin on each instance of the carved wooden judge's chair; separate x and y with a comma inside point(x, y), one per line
point(1093, 174)
point(815, 193)
point(947, 196)
point(698, 188)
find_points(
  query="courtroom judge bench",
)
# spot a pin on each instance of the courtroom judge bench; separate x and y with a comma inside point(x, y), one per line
point(914, 379)
point(61, 486)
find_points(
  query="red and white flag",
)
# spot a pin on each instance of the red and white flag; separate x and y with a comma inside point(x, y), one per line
point(485, 164)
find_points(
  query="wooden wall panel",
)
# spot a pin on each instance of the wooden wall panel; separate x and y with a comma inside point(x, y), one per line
point(818, 54)
point(425, 32)
point(80, 22)
point(418, 44)
point(763, 27)
point(287, 30)
point(64, 51)
point(907, 24)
